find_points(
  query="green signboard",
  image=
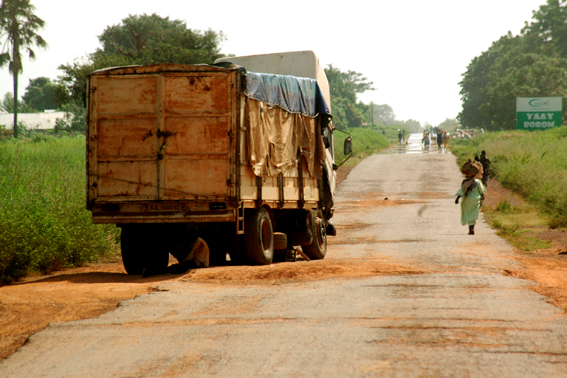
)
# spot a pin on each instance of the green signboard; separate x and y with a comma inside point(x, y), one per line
point(537, 113)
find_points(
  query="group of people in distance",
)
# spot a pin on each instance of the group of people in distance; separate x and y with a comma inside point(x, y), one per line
point(442, 138)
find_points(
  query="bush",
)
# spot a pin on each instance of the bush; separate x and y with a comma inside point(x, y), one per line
point(75, 119)
point(43, 221)
point(503, 206)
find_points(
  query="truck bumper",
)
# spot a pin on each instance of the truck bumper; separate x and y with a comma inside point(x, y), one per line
point(163, 212)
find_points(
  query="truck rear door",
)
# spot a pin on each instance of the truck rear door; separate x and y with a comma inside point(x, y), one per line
point(162, 135)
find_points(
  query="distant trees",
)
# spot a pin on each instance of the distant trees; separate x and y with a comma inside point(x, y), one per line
point(412, 125)
point(381, 114)
point(42, 94)
point(532, 64)
point(9, 105)
point(142, 39)
point(19, 26)
point(449, 124)
point(345, 86)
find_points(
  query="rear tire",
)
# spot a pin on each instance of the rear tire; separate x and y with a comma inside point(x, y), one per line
point(259, 237)
point(130, 247)
point(318, 248)
point(141, 249)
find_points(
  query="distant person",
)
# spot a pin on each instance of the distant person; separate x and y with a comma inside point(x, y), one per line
point(426, 141)
point(445, 139)
point(383, 132)
point(472, 190)
point(439, 138)
point(400, 136)
point(486, 174)
point(404, 135)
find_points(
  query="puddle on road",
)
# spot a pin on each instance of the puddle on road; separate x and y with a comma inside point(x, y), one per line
point(414, 145)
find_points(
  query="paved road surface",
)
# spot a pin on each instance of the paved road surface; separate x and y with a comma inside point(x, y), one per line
point(453, 311)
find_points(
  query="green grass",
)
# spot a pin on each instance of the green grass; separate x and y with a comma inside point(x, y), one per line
point(532, 164)
point(44, 225)
point(365, 142)
point(516, 224)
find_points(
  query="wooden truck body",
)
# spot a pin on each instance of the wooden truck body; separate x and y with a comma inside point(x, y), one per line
point(174, 146)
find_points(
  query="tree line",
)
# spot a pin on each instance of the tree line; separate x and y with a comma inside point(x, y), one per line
point(531, 64)
point(149, 39)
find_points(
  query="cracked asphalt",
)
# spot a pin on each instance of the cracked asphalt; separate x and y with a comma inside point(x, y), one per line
point(450, 309)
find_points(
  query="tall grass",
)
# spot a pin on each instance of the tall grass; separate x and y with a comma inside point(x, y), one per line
point(533, 164)
point(43, 221)
point(364, 142)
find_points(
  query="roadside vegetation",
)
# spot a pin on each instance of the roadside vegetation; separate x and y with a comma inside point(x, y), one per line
point(44, 225)
point(530, 64)
point(365, 142)
point(533, 165)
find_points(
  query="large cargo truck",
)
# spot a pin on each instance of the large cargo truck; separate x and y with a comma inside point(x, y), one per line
point(243, 159)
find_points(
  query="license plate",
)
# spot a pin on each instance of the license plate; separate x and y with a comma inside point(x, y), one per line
point(164, 207)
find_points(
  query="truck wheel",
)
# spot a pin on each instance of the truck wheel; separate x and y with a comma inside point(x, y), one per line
point(140, 251)
point(318, 248)
point(131, 248)
point(259, 237)
point(156, 257)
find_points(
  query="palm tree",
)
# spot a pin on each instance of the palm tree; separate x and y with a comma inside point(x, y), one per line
point(18, 26)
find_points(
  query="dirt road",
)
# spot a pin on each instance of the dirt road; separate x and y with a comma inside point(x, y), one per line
point(403, 292)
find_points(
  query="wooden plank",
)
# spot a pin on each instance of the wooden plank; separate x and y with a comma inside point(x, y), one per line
point(186, 178)
point(127, 94)
point(195, 93)
point(127, 179)
point(135, 138)
point(194, 135)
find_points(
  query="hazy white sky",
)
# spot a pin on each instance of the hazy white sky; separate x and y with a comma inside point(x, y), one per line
point(414, 51)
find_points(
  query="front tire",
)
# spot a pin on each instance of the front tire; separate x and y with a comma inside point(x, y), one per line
point(318, 248)
point(259, 237)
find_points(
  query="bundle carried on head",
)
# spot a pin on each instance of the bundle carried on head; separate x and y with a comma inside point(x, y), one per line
point(471, 168)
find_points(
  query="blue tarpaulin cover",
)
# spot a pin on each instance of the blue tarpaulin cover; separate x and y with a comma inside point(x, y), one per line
point(299, 95)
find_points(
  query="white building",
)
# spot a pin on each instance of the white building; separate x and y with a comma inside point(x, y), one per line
point(38, 121)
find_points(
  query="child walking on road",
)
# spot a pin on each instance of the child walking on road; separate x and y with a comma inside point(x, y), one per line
point(472, 190)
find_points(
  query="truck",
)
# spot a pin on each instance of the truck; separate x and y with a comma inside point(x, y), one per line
point(239, 152)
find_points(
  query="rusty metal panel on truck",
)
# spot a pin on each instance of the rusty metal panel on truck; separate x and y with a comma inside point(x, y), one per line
point(162, 144)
